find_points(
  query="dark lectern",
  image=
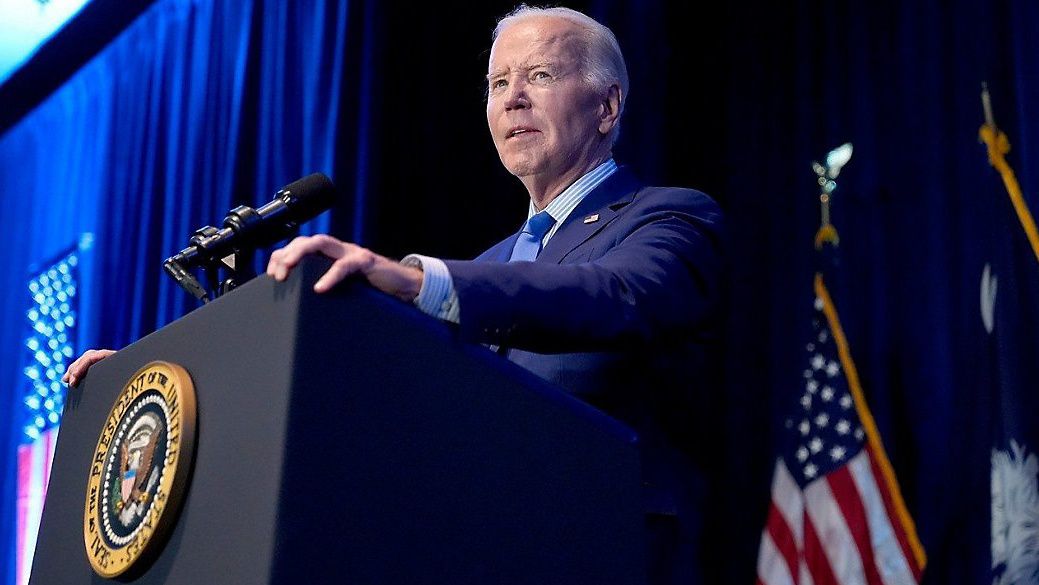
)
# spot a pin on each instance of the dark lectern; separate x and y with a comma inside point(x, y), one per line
point(347, 438)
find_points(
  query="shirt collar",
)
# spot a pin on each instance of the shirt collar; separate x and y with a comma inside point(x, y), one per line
point(564, 203)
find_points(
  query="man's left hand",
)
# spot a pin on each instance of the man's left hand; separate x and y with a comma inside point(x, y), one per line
point(389, 276)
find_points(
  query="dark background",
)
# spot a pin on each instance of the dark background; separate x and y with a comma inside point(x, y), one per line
point(734, 99)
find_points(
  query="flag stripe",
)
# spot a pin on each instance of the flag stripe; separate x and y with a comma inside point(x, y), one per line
point(815, 560)
point(50, 439)
point(879, 456)
point(891, 555)
point(847, 497)
point(783, 528)
point(773, 566)
point(25, 456)
point(34, 462)
point(779, 536)
point(28, 505)
point(805, 575)
point(787, 498)
point(833, 533)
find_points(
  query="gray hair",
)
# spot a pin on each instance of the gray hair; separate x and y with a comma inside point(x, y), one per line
point(606, 63)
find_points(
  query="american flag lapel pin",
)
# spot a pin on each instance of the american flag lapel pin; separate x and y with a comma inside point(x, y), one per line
point(592, 218)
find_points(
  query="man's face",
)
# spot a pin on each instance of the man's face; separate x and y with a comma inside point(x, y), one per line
point(542, 114)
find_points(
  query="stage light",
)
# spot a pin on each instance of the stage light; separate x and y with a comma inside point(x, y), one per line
point(51, 317)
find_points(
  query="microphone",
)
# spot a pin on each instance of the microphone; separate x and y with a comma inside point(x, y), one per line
point(246, 228)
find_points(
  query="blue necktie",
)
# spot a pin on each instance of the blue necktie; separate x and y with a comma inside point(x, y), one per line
point(528, 245)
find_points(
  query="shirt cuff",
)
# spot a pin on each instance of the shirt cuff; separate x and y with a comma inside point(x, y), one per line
point(437, 297)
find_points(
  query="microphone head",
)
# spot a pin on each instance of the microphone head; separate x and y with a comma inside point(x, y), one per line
point(307, 197)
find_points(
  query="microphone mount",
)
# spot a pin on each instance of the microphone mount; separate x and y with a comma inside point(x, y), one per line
point(231, 246)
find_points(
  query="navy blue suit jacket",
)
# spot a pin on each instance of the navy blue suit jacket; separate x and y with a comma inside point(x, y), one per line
point(621, 310)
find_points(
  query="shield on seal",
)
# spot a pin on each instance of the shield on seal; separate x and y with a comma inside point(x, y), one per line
point(127, 486)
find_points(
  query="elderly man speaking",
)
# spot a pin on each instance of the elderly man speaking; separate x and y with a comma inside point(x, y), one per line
point(609, 290)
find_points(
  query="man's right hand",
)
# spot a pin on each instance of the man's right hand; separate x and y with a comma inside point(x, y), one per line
point(389, 276)
point(78, 369)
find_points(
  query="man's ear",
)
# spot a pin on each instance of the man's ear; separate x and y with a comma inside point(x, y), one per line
point(610, 109)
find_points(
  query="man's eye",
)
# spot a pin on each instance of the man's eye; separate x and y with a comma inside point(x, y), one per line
point(498, 84)
point(540, 75)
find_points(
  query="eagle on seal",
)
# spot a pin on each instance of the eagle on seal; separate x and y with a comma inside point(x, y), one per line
point(135, 468)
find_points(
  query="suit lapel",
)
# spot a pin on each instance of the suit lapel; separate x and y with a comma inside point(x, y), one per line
point(505, 251)
point(605, 201)
point(501, 251)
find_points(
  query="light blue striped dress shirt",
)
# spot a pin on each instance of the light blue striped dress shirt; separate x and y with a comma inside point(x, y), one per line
point(438, 297)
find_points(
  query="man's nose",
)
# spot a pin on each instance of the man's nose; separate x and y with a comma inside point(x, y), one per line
point(516, 97)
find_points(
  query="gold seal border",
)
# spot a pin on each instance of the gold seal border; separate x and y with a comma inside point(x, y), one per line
point(179, 393)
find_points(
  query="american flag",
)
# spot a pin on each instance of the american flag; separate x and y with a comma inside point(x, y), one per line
point(49, 348)
point(837, 516)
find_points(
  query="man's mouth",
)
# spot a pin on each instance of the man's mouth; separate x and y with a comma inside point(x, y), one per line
point(519, 131)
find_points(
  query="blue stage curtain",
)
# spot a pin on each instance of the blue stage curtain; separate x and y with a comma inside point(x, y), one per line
point(199, 106)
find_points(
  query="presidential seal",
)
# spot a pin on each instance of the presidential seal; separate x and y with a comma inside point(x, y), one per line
point(140, 468)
